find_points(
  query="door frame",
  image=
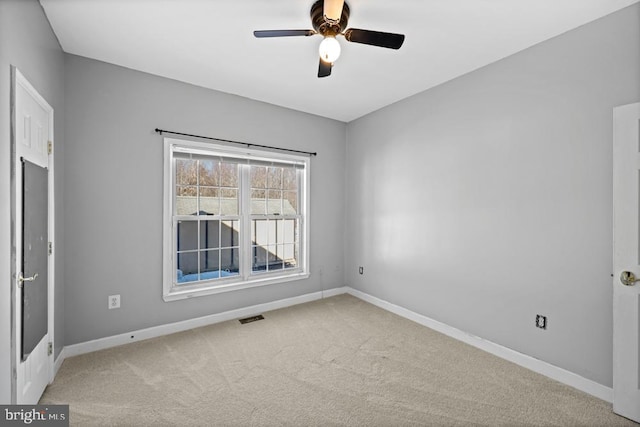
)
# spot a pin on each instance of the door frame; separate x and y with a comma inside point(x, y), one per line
point(17, 78)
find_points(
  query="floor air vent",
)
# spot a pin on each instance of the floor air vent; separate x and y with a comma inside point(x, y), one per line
point(251, 319)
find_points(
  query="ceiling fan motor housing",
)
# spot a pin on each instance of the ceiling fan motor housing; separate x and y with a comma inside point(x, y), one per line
point(328, 27)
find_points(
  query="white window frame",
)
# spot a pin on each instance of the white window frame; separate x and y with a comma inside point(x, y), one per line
point(173, 291)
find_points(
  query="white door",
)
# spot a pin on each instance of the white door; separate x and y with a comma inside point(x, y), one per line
point(33, 286)
point(626, 261)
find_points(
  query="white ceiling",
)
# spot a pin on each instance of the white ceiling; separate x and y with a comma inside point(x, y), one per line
point(210, 43)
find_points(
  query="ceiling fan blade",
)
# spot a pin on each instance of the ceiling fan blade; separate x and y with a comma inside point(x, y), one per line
point(324, 69)
point(374, 38)
point(333, 9)
point(282, 33)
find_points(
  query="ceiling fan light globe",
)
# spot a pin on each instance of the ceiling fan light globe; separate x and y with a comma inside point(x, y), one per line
point(329, 49)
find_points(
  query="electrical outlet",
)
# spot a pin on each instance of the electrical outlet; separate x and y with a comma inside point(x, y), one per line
point(541, 321)
point(114, 301)
point(361, 270)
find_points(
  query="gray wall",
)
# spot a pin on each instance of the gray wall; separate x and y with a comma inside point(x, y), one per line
point(487, 200)
point(113, 193)
point(26, 41)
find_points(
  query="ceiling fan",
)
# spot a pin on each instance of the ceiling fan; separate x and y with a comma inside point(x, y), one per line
point(329, 19)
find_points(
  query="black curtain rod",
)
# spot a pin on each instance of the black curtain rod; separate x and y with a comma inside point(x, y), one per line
point(246, 144)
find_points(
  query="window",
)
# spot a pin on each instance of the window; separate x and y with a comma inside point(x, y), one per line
point(232, 218)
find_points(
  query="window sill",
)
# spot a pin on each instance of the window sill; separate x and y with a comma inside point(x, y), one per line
point(184, 291)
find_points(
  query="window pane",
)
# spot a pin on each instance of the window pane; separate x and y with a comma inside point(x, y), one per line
point(279, 253)
point(209, 201)
point(186, 204)
point(209, 234)
point(274, 178)
point(229, 234)
point(186, 172)
point(258, 202)
point(289, 180)
point(187, 267)
point(258, 177)
point(272, 258)
point(279, 231)
point(186, 190)
point(230, 260)
point(209, 172)
point(229, 201)
point(229, 175)
point(274, 205)
point(209, 262)
point(289, 255)
point(259, 234)
point(289, 230)
point(187, 235)
point(271, 232)
point(259, 258)
point(290, 203)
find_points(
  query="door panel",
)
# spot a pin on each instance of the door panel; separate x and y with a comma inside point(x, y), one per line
point(35, 238)
point(32, 302)
point(626, 261)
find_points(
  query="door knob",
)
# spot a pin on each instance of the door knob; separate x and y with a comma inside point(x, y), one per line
point(21, 279)
point(628, 278)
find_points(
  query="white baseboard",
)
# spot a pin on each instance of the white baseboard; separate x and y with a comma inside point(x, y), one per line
point(562, 375)
point(170, 328)
point(58, 362)
point(335, 291)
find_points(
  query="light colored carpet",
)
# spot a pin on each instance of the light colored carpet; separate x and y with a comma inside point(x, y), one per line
point(338, 361)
